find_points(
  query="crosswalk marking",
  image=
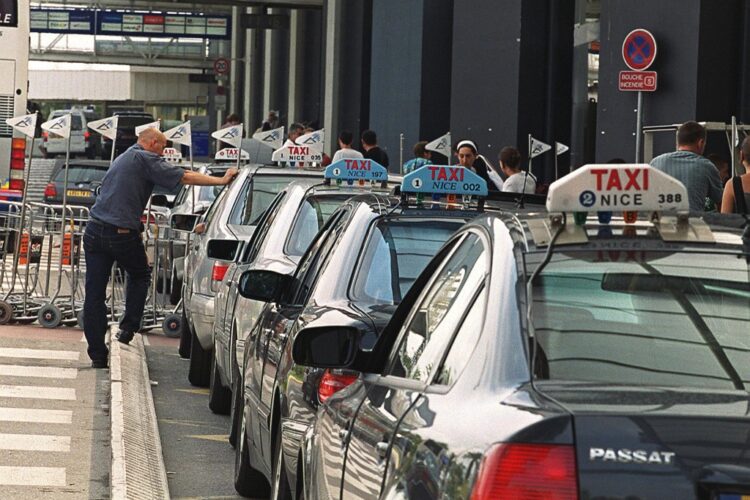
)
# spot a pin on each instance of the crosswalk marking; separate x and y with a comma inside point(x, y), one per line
point(37, 392)
point(34, 442)
point(15, 352)
point(38, 371)
point(32, 476)
point(36, 415)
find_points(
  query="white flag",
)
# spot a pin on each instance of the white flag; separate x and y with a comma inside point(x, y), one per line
point(181, 134)
point(59, 126)
point(25, 124)
point(561, 148)
point(315, 140)
point(441, 145)
point(538, 148)
point(231, 135)
point(106, 126)
point(273, 138)
point(141, 128)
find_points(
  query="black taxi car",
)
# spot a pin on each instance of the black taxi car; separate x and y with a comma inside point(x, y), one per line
point(552, 355)
point(357, 269)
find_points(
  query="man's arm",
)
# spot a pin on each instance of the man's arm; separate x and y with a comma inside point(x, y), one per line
point(715, 189)
point(198, 179)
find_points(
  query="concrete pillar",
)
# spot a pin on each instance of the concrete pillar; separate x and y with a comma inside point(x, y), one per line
point(252, 113)
point(237, 70)
point(702, 73)
point(411, 73)
point(296, 44)
point(276, 71)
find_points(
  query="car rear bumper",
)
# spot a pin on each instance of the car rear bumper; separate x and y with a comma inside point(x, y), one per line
point(202, 314)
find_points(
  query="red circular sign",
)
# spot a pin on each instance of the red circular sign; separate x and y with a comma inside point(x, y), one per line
point(639, 49)
point(221, 66)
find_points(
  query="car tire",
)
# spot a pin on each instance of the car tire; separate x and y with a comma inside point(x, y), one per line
point(175, 289)
point(199, 373)
point(219, 397)
point(186, 337)
point(280, 488)
point(236, 407)
point(247, 481)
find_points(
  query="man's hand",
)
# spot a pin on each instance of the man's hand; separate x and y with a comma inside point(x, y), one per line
point(229, 175)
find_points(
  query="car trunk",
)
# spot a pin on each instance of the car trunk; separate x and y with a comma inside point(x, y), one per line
point(655, 443)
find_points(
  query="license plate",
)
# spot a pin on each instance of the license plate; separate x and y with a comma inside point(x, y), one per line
point(79, 193)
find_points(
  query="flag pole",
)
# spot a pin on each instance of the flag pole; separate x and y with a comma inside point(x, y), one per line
point(556, 156)
point(401, 155)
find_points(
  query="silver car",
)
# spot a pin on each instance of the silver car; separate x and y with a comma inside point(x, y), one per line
point(216, 243)
point(82, 141)
point(284, 233)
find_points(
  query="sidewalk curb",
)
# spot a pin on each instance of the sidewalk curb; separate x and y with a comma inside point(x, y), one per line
point(138, 469)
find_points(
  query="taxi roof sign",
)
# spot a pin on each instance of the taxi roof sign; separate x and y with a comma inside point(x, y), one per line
point(171, 154)
point(444, 179)
point(629, 188)
point(356, 170)
point(231, 154)
point(292, 154)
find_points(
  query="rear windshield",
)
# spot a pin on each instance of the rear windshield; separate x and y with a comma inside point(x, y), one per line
point(660, 319)
point(256, 196)
point(81, 174)
point(75, 120)
point(312, 214)
point(396, 253)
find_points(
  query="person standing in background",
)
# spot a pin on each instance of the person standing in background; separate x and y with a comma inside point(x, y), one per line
point(345, 147)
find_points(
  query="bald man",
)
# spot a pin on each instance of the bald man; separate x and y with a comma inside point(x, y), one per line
point(113, 233)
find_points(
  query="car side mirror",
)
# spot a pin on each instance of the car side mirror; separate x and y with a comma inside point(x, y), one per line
point(326, 347)
point(262, 285)
point(159, 200)
point(183, 222)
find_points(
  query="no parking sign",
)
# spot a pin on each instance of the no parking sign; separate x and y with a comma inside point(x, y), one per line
point(639, 49)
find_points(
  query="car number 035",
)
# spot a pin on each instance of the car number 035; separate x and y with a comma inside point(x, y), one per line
point(670, 198)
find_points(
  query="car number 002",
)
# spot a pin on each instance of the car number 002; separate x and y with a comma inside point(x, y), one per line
point(471, 187)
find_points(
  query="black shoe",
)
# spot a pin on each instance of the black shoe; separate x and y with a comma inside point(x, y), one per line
point(99, 363)
point(124, 337)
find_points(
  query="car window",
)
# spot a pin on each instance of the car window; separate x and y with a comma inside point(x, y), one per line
point(208, 193)
point(655, 318)
point(312, 214)
point(75, 120)
point(464, 342)
point(214, 208)
point(397, 250)
point(257, 194)
point(436, 316)
point(265, 223)
point(81, 174)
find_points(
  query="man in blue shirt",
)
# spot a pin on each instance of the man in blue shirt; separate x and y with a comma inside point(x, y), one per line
point(421, 158)
point(689, 166)
point(113, 233)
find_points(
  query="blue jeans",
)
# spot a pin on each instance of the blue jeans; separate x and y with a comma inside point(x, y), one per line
point(104, 244)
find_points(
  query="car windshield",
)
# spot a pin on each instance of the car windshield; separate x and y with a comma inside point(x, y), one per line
point(312, 214)
point(81, 174)
point(255, 198)
point(644, 318)
point(396, 253)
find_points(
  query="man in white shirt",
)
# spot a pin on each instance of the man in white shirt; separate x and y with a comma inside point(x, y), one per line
point(518, 181)
point(346, 151)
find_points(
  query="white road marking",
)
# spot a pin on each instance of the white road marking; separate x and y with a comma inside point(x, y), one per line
point(34, 442)
point(32, 476)
point(38, 371)
point(37, 392)
point(36, 415)
point(14, 352)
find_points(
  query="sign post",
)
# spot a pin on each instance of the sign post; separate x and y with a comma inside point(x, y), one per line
point(639, 53)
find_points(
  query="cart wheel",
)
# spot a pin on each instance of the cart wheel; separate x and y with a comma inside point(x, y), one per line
point(6, 313)
point(172, 326)
point(79, 318)
point(49, 316)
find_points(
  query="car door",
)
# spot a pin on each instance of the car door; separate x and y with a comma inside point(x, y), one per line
point(394, 397)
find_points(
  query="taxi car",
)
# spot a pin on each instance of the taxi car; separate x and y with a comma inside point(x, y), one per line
point(552, 355)
point(357, 269)
point(285, 231)
point(216, 242)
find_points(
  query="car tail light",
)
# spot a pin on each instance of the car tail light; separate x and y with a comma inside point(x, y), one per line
point(151, 219)
point(219, 271)
point(332, 382)
point(529, 471)
point(50, 191)
point(87, 135)
point(45, 135)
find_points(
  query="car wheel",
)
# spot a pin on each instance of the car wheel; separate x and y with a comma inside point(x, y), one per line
point(236, 409)
point(185, 337)
point(247, 481)
point(200, 364)
point(280, 490)
point(219, 397)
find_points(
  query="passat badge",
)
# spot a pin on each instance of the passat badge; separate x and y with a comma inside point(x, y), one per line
point(627, 456)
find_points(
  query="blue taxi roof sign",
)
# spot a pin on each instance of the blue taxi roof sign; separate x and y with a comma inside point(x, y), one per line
point(356, 170)
point(628, 188)
point(444, 179)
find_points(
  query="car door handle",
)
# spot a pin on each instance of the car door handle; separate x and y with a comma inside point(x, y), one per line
point(382, 448)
